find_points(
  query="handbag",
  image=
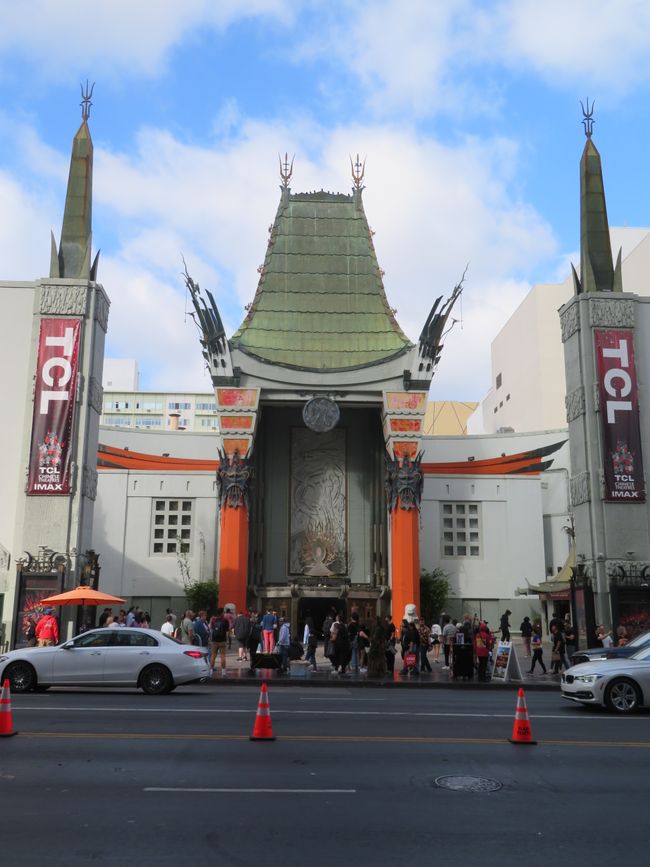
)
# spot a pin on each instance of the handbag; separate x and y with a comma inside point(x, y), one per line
point(390, 648)
point(555, 656)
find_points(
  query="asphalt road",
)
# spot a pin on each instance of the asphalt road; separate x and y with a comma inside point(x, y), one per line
point(119, 778)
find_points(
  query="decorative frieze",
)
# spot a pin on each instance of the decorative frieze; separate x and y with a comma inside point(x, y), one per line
point(95, 394)
point(611, 313)
point(5, 559)
point(580, 489)
point(102, 305)
point(575, 404)
point(596, 388)
point(404, 481)
point(89, 483)
point(64, 300)
point(570, 321)
point(234, 477)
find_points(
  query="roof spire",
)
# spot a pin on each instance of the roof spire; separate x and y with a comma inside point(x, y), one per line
point(588, 117)
point(72, 260)
point(597, 272)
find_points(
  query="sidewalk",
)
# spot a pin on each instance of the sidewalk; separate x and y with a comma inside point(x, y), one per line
point(239, 674)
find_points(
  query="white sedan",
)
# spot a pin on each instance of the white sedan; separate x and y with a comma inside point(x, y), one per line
point(621, 685)
point(107, 657)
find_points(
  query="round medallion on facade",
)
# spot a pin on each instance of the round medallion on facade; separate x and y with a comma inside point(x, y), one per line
point(321, 414)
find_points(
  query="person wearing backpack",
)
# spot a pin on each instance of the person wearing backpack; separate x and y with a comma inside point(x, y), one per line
point(219, 637)
point(201, 630)
point(526, 630)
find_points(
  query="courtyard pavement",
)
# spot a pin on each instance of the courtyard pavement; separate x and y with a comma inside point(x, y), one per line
point(238, 673)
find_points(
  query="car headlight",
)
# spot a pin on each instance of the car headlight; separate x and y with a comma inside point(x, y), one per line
point(587, 678)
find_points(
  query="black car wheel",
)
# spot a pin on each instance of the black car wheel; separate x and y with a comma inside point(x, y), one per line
point(622, 696)
point(156, 680)
point(21, 675)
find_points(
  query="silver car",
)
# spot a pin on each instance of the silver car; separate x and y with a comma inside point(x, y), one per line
point(107, 657)
point(621, 685)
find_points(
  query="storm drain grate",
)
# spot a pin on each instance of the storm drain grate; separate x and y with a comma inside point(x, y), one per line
point(468, 784)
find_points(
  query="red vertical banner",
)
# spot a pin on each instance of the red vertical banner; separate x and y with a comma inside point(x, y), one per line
point(54, 405)
point(619, 411)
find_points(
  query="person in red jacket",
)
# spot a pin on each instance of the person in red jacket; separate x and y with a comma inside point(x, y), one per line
point(47, 629)
point(483, 642)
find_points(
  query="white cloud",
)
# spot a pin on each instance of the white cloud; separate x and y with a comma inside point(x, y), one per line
point(603, 46)
point(114, 37)
point(420, 57)
point(26, 219)
point(434, 208)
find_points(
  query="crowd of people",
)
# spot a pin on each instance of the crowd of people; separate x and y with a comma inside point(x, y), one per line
point(349, 644)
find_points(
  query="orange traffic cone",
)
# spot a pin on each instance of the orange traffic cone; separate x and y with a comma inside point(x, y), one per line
point(521, 730)
point(263, 731)
point(6, 726)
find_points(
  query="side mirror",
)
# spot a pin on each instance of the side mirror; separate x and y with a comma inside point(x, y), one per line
point(68, 646)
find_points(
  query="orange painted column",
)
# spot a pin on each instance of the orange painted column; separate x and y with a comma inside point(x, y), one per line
point(405, 560)
point(233, 556)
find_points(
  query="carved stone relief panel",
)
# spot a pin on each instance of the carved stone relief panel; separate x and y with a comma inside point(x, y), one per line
point(318, 516)
point(95, 394)
point(102, 305)
point(89, 483)
point(580, 489)
point(64, 300)
point(570, 321)
point(575, 404)
point(611, 313)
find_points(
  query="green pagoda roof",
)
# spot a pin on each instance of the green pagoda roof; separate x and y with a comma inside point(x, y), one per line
point(320, 302)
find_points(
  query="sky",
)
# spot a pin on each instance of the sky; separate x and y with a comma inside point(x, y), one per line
point(467, 113)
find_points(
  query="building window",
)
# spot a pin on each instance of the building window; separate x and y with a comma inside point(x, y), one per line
point(179, 405)
point(461, 530)
point(150, 405)
point(498, 380)
point(148, 421)
point(207, 407)
point(118, 420)
point(209, 423)
point(171, 527)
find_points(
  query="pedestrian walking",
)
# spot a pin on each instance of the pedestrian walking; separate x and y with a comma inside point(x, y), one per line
point(526, 630)
point(284, 640)
point(570, 637)
point(449, 638)
point(505, 625)
point(185, 631)
point(340, 641)
point(436, 638)
point(410, 641)
point(269, 622)
point(242, 628)
point(30, 631)
point(312, 646)
point(558, 657)
point(537, 649)
point(219, 628)
point(254, 639)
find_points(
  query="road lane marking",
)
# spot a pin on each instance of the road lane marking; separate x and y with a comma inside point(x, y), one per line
point(369, 739)
point(254, 791)
point(304, 712)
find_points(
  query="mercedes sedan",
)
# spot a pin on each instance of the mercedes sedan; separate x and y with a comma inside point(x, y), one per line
point(124, 657)
point(620, 685)
point(596, 653)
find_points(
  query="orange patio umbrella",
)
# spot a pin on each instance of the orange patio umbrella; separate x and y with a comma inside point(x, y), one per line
point(83, 596)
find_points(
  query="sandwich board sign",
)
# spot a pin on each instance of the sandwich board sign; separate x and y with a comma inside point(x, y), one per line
point(506, 665)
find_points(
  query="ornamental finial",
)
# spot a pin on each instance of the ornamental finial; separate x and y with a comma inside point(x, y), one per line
point(588, 117)
point(286, 170)
point(358, 171)
point(86, 96)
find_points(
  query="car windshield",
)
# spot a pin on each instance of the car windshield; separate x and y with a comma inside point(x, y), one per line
point(642, 654)
point(640, 640)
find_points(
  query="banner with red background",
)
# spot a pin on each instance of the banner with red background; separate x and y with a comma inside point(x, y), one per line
point(54, 405)
point(619, 412)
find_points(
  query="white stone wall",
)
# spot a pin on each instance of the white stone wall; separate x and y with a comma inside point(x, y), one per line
point(16, 313)
point(122, 532)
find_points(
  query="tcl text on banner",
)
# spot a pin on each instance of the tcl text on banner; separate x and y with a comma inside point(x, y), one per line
point(54, 407)
point(619, 412)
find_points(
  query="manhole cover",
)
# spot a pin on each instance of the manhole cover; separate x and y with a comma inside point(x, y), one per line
point(468, 784)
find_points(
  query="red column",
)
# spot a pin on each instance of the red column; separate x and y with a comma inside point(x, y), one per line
point(405, 560)
point(233, 556)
